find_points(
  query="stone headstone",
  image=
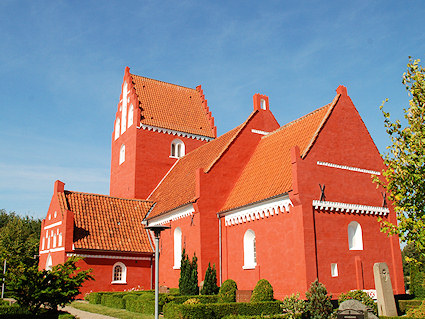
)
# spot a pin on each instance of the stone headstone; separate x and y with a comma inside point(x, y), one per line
point(357, 305)
point(243, 295)
point(164, 290)
point(384, 290)
point(201, 285)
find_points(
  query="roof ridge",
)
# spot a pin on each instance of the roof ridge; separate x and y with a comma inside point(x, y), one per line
point(241, 126)
point(114, 197)
point(300, 118)
point(145, 77)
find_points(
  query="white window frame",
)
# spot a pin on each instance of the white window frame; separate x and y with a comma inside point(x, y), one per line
point(123, 279)
point(130, 115)
point(49, 262)
point(263, 104)
point(334, 270)
point(117, 128)
point(178, 148)
point(355, 236)
point(124, 108)
point(249, 250)
point(122, 154)
point(177, 248)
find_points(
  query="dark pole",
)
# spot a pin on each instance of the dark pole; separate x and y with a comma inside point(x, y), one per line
point(157, 231)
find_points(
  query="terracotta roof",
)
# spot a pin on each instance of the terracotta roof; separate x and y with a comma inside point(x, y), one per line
point(178, 187)
point(271, 161)
point(107, 223)
point(173, 107)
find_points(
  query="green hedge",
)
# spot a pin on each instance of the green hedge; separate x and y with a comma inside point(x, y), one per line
point(297, 316)
point(220, 310)
point(113, 301)
point(16, 312)
point(405, 305)
point(417, 281)
point(202, 298)
point(95, 298)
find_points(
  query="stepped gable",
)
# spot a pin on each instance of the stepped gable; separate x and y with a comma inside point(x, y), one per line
point(107, 223)
point(179, 186)
point(173, 107)
point(268, 173)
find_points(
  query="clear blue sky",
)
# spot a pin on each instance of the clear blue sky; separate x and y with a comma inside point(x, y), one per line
point(62, 63)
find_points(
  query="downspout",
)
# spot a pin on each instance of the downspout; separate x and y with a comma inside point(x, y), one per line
point(151, 275)
point(315, 244)
point(219, 247)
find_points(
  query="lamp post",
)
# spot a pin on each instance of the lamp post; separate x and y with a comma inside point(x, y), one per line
point(157, 231)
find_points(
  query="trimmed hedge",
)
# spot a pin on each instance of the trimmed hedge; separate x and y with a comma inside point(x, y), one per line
point(417, 281)
point(297, 316)
point(406, 305)
point(263, 291)
point(113, 301)
point(220, 310)
point(227, 292)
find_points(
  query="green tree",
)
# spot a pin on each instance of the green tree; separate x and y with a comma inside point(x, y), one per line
point(33, 288)
point(188, 282)
point(210, 282)
point(404, 176)
point(318, 302)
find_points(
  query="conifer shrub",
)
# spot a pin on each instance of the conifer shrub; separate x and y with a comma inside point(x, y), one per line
point(293, 306)
point(227, 292)
point(361, 296)
point(263, 291)
point(188, 282)
point(318, 302)
point(210, 282)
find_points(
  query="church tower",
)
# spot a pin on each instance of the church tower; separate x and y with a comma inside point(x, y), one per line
point(156, 123)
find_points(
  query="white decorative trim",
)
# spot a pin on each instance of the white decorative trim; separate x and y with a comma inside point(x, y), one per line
point(351, 208)
point(173, 132)
point(53, 225)
point(259, 210)
point(53, 250)
point(349, 168)
point(259, 132)
point(107, 256)
point(249, 267)
point(173, 215)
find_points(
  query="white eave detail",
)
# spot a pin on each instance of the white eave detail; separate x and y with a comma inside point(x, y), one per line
point(173, 215)
point(350, 208)
point(53, 250)
point(349, 168)
point(107, 256)
point(259, 132)
point(53, 225)
point(268, 208)
point(173, 132)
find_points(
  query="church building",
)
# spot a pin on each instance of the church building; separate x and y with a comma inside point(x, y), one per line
point(288, 203)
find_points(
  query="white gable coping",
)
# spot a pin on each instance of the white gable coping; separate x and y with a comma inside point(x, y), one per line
point(349, 168)
point(108, 256)
point(259, 132)
point(173, 132)
point(256, 211)
point(173, 215)
point(351, 208)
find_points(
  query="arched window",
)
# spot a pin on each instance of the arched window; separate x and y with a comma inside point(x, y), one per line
point(249, 250)
point(122, 154)
point(117, 128)
point(130, 115)
point(124, 108)
point(355, 237)
point(49, 263)
point(177, 148)
point(119, 273)
point(177, 248)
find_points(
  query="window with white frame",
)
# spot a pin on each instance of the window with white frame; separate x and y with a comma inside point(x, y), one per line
point(177, 248)
point(263, 104)
point(119, 273)
point(249, 250)
point(122, 154)
point(49, 263)
point(130, 115)
point(117, 128)
point(334, 270)
point(177, 148)
point(124, 108)
point(355, 237)
point(42, 243)
point(60, 240)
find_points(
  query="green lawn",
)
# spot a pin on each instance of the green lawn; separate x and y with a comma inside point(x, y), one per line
point(117, 313)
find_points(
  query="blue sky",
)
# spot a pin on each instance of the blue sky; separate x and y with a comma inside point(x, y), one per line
point(62, 63)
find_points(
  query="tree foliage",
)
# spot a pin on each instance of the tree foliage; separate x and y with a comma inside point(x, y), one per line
point(227, 292)
point(188, 282)
point(210, 281)
point(318, 302)
point(33, 288)
point(293, 306)
point(263, 291)
point(404, 176)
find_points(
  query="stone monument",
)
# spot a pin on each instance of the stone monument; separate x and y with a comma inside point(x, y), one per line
point(355, 305)
point(384, 290)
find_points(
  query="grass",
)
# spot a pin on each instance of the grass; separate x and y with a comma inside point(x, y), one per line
point(117, 313)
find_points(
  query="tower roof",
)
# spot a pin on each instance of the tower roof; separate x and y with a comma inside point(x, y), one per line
point(173, 107)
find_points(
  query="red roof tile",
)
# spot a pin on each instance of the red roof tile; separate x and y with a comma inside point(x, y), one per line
point(173, 107)
point(271, 161)
point(107, 223)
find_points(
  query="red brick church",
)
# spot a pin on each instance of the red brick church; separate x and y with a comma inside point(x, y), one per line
point(288, 203)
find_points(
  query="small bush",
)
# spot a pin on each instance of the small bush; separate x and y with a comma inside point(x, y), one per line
point(406, 305)
point(417, 281)
point(418, 312)
point(318, 302)
point(293, 306)
point(188, 282)
point(210, 282)
point(263, 291)
point(192, 301)
point(361, 296)
point(227, 292)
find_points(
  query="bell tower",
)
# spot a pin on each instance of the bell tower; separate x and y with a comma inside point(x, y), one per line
point(156, 123)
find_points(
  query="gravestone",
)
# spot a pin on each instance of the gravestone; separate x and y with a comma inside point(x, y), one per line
point(164, 290)
point(384, 290)
point(243, 295)
point(356, 306)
